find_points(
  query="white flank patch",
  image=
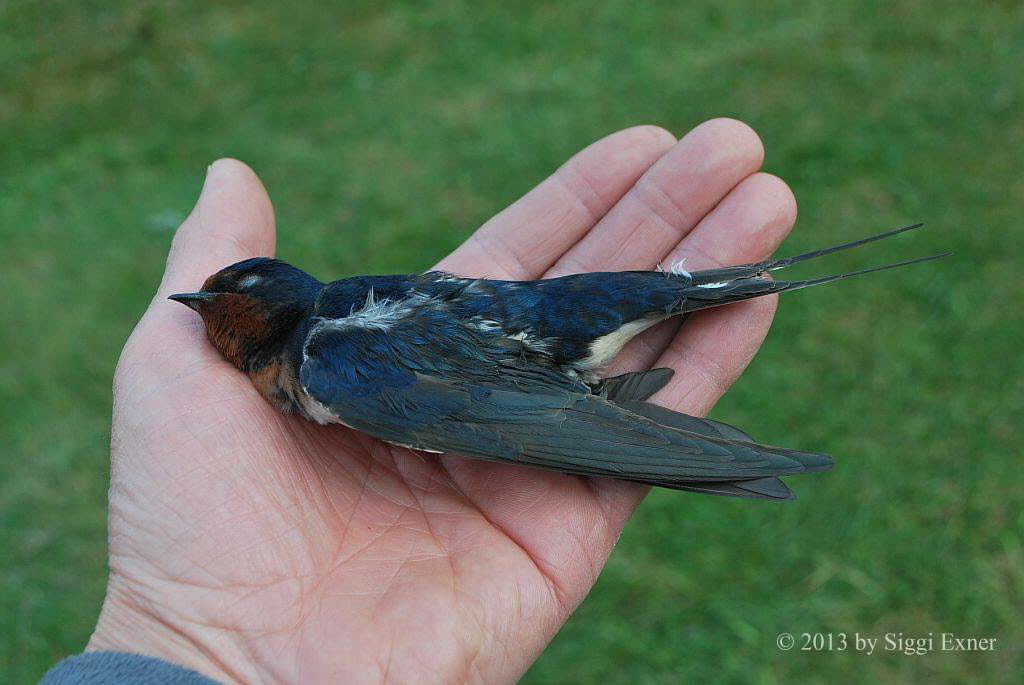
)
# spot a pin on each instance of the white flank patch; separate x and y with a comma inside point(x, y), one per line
point(604, 349)
point(714, 285)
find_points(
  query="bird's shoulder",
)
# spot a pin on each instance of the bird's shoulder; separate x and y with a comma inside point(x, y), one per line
point(417, 338)
point(499, 313)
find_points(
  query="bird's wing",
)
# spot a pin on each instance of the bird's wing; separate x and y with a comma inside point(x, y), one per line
point(631, 390)
point(429, 383)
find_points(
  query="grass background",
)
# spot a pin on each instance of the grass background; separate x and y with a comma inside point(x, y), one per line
point(386, 134)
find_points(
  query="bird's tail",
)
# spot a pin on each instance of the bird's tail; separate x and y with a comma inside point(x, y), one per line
point(714, 287)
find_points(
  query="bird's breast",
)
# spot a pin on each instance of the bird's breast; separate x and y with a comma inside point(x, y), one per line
point(272, 381)
point(281, 388)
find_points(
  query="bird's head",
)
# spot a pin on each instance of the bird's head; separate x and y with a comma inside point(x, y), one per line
point(251, 308)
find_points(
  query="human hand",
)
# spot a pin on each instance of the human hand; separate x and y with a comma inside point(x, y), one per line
point(255, 546)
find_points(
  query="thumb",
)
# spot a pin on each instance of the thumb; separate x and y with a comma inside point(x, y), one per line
point(232, 220)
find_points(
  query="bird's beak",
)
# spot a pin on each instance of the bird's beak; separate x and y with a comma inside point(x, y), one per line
point(193, 300)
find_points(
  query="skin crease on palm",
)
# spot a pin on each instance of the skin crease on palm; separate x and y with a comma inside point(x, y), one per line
point(258, 547)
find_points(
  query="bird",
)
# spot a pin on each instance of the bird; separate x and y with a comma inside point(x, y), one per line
point(502, 370)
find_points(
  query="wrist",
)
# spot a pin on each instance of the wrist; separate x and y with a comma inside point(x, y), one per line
point(133, 625)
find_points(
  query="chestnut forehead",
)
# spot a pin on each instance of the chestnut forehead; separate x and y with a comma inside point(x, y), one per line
point(238, 308)
point(220, 280)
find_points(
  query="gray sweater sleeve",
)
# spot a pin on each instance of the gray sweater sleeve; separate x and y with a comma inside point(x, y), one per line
point(115, 668)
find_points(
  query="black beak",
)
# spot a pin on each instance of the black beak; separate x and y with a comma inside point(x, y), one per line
point(193, 300)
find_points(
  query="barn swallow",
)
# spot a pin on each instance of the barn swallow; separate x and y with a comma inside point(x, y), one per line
point(501, 370)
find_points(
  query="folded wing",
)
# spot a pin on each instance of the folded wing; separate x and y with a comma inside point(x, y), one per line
point(427, 382)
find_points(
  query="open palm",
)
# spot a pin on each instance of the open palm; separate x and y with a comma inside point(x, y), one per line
point(255, 546)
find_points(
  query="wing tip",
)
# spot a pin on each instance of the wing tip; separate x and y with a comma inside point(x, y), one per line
point(755, 488)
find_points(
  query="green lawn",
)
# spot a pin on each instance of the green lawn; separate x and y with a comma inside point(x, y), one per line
point(386, 136)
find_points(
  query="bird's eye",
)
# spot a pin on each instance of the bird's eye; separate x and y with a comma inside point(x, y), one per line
point(248, 281)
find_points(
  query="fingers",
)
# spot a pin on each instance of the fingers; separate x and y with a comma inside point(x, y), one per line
point(232, 220)
point(530, 235)
point(669, 200)
point(747, 226)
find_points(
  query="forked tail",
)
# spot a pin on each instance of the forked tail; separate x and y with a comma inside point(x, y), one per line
point(714, 287)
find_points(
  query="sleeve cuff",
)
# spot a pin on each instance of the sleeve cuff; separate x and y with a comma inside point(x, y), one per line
point(109, 668)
